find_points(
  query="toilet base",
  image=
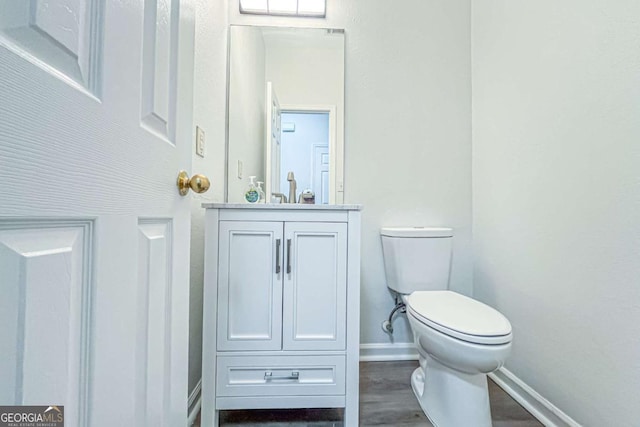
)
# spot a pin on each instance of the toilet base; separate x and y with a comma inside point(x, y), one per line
point(450, 398)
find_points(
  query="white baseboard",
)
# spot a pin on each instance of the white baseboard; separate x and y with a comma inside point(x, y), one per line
point(376, 352)
point(195, 401)
point(546, 412)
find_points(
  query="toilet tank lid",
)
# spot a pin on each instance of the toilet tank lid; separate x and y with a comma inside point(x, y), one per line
point(416, 231)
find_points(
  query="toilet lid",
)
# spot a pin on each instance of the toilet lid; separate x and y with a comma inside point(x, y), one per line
point(460, 317)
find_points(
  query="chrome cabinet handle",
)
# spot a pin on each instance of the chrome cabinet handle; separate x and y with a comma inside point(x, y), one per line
point(295, 375)
point(288, 256)
point(277, 256)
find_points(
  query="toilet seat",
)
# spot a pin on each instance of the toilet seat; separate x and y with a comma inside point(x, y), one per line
point(459, 317)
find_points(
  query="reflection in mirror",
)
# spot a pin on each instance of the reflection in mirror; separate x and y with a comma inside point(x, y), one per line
point(286, 103)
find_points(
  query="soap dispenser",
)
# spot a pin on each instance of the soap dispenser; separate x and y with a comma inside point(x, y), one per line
point(252, 195)
point(262, 197)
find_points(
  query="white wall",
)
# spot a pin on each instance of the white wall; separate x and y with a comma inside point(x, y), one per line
point(306, 73)
point(407, 128)
point(408, 134)
point(246, 109)
point(556, 172)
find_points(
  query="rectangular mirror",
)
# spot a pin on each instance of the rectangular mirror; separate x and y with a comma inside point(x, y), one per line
point(285, 109)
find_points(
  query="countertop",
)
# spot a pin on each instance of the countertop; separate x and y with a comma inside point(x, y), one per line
point(282, 206)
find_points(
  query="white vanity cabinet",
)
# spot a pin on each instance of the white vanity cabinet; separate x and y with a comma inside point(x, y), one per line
point(282, 285)
point(281, 308)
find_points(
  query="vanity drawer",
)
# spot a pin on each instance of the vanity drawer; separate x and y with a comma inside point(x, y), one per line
point(280, 375)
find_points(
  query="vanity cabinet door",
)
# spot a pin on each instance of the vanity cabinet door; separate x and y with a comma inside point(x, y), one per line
point(315, 285)
point(250, 285)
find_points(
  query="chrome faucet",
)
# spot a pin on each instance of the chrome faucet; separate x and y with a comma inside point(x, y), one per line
point(292, 187)
point(282, 197)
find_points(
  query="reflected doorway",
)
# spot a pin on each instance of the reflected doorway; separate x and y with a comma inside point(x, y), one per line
point(305, 142)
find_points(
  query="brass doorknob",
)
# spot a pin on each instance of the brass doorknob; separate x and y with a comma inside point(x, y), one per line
point(198, 183)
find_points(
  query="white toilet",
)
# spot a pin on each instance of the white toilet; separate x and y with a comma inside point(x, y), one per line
point(459, 339)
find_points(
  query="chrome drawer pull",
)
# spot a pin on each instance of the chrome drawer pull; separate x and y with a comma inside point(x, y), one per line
point(277, 256)
point(295, 375)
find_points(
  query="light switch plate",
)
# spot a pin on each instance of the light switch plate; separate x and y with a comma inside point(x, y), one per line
point(199, 141)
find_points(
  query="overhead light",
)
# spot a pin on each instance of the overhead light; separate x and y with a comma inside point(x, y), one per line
point(283, 7)
point(254, 6)
point(313, 8)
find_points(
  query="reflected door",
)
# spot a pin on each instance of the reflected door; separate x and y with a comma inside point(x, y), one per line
point(272, 146)
point(321, 174)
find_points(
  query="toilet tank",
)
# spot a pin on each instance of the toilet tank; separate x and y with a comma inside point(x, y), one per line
point(417, 258)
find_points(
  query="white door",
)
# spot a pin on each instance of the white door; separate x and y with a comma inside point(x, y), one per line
point(95, 123)
point(315, 286)
point(320, 163)
point(250, 285)
point(272, 145)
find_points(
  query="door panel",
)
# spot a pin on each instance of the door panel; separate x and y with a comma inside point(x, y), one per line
point(75, 149)
point(44, 313)
point(320, 163)
point(159, 67)
point(314, 294)
point(250, 290)
point(154, 319)
point(62, 37)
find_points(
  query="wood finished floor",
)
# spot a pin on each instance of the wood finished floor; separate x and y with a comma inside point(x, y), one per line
point(386, 399)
